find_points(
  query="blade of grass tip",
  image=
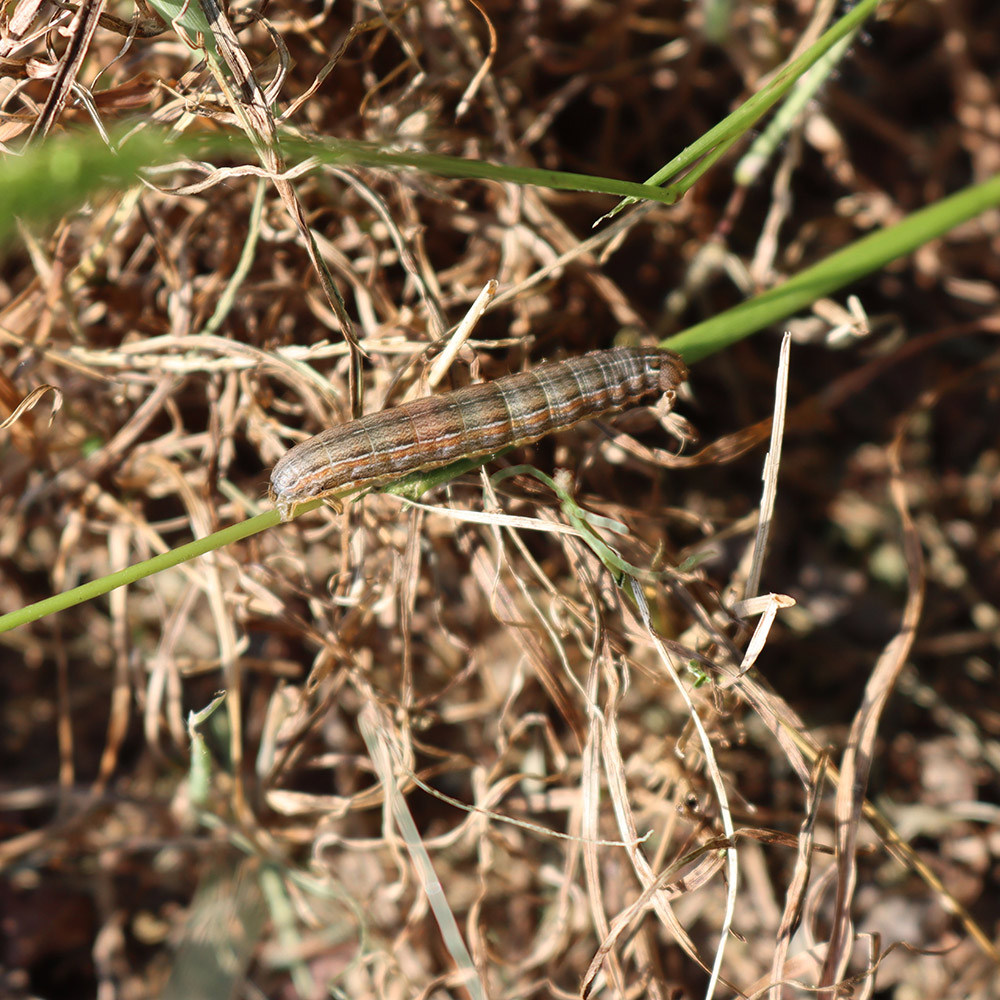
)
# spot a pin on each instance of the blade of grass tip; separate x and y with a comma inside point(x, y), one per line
point(583, 524)
point(772, 462)
point(442, 363)
point(854, 261)
point(200, 767)
point(373, 730)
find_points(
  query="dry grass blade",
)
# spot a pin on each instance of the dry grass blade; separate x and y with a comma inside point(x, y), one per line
point(718, 784)
point(81, 33)
point(377, 731)
point(858, 756)
point(771, 465)
point(30, 402)
point(791, 918)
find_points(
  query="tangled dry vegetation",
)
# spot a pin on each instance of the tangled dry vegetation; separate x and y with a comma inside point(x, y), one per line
point(457, 756)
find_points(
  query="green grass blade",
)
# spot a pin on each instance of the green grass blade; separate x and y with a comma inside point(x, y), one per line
point(53, 177)
point(837, 271)
point(138, 571)
point(718, 140)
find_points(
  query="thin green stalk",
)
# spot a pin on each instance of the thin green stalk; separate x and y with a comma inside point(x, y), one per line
point(138, 571)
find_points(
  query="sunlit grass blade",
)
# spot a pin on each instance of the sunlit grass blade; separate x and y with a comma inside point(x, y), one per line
point(835, 272)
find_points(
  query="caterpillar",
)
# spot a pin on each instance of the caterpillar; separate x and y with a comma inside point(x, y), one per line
point(475, 421)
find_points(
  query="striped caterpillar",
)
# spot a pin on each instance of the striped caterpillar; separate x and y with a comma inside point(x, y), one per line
point(472, 422)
